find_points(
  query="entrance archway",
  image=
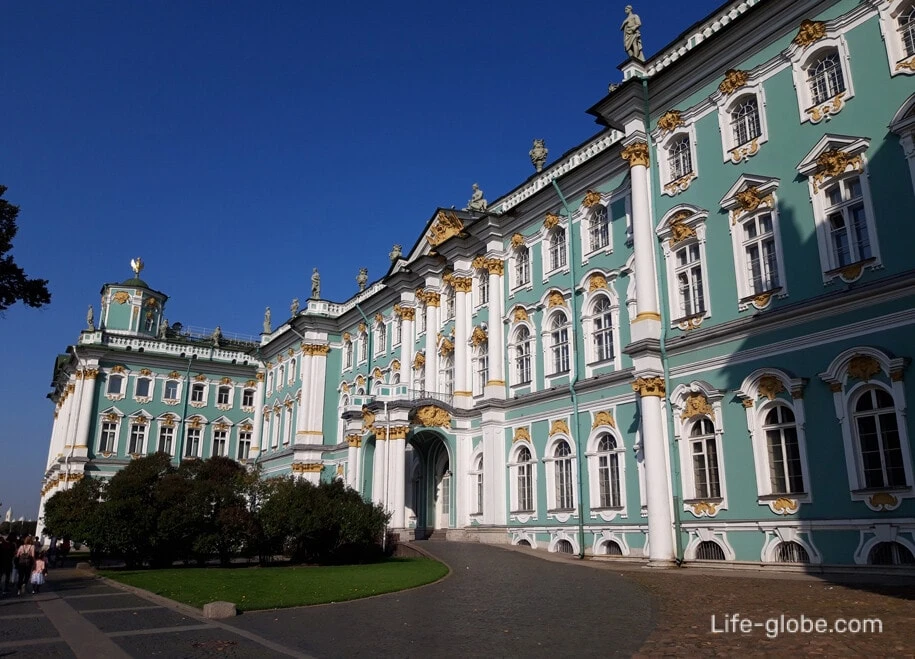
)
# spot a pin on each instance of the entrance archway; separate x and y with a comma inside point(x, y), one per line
point(431, 490)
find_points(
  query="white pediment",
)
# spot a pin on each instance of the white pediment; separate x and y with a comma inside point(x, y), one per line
point(847, 144)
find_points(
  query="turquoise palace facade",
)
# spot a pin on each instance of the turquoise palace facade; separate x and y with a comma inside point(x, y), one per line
point(687, 339)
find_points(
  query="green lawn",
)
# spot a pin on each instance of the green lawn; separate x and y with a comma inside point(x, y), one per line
point(254, 588)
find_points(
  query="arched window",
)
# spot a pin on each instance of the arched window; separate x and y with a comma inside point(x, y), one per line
point(612, 548)
point(602, 330)
point(599, 229)
point(890, 553)
point(477, 475)
point(825, 77)
point(446, 371)
point(281, 379)
point(522, 266)
point(562, 475)
point(382, 334)
point(523, 355)
point(344, 402)
point(395, 378)
point(704, 451)
point(608, 472)
point(348, 354)
point(745, 124)
point(565, 547)
point(363, 346)
point(791, 552)
point(557, 244)
point(421, 319)
point(689, 275)
point(780, 429)
point(291, 371)
point(679, 158)
point(907, 30)
point(483, 287)
point(482, 366)
point(877, 432)
point(525, 480)
point(398, 331)
point(421, 378)
point(559, 343)
point(709, 551)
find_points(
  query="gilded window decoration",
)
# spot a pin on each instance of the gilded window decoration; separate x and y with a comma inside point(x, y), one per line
point(733, 80)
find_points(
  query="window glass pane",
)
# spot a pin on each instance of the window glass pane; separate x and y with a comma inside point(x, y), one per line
point(143, 387)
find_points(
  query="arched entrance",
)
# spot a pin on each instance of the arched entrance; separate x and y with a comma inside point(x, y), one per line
point(431, 488)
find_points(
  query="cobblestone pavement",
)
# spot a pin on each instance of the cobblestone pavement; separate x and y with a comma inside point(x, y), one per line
point(496, 603)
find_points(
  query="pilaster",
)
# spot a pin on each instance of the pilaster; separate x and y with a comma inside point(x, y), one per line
point(495, 386)
point(463, 393)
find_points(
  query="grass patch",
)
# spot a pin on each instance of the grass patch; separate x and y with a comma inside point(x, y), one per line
point(278, 587)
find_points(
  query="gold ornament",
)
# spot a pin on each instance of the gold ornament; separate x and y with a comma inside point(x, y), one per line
point(560, 426)
point(863, 367)
point(517, 240)
point(478, 337)
point(680, 231)
point(551, 221)
point(650, 386)
point(784, 506)
point(670, 121)
point(520, 314)
point(697, 405)
point(121, 297)
point(445, 226)
point(591, 199)
point(636, 154)
point(597, 282)
point(419, 361)
point(809, 32)
point(770, 386)
point(603, 419)
point(733, 80)
point(432, 416)
point(521, 435)
point(556, 299)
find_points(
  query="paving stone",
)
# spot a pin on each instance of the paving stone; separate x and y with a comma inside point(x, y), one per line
point(117, 600)
point(59, 650)
point(23, 629)
point(119, 621)
point(195, 643)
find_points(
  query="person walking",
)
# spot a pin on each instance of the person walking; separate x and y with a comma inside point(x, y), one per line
point(39, 571)
point(7, 553)
point(25, 561)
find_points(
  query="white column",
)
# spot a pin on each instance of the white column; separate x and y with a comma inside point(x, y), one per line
point(352, 461)
point(494, 469)
point(432, 329)
point(378, 473)
point(258, 415)
point(407, 343)
point(397, 444)
point(495, 386)
point(70, 421)
point(463, 392)
point(302, 421)
point(85, 395)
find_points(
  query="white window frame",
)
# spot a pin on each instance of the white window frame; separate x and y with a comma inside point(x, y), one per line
point(516, 261)
point(819, 183)
point(900, 62)
point(179, 385)
point(150, 392)
point(187, 440)
point(802, 58)
point(732, 151)
point(695, 220)
point(685, 416)
point(760, 391)
point(288, 426)
point(550, 460)
point(142, 423)
point(555, 349)
point(846, 384)
point(229, 390)
point(381, 338)
point(225, 434)
point(514, 467)
point(514, 343)
point(421, 319)
point(115, 432)
point(593, 455)
point(166, 427)
point(476, 484)
point(589, 321)
point(588, 217)
point(903, 125)
point(671, 186)
point(204, 388)
point(122, 390)
point(550, 249)
point(245, 438)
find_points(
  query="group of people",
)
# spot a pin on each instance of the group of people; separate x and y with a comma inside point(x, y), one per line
point(24, 563)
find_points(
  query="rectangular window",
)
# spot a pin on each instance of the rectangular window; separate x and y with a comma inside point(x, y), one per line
point(564, 500)
point(171, 390)
point(398, 331)
point(483, 287)
point(247, 398)
point(609, 487)
point(848, 223)
point(244, 445)
point(197, 393)
point(137, 438)
point(525, 487)
point(759, 249)
point(222, 396)
point(482, 371)
point(192, 446)
point(558, 249)
point(479, 493)
point(522, 266)
point(108, 437)
point(705, 468)
point(142, 389)
point(166, 437)
point(219, 442)
point(689, 281)
point(599, 230)
point(114, 385)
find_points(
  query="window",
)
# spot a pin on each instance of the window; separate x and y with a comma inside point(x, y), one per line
point(745, 122)
point(115, 383)
point(477, 476)
point(599, 229)
point(608, 472)
point(483, 287)
point(708, 550)
point(564, 547)
point(192, 444)
point(137, 438)
point(907, 30)
point(150, 322)
point(348, 354)
point(244, 445)
point(247, 398)
point(281, 380)
point(382, 335)
point(421, 378)
point(825, 78)
point(522, 266)
point(171, 390)
point(890, 553)
point(482, 367)
point(363, 346)
point(197, 392)
point(523, 356)
point(562, 475)
point(421, 319)
point(108, 438)
point(291, 371)
point(760, 254)
point(847, 221)
point(219, 442)
point(142, 388)
point(222, 395)
point(705, 460)
point(791, 552)
point(785, 473)
point(557, 248)
point(447, 374)
point(398, 330)
point(612, 548)
point(689, 277)
point(559, 343)
point(449, 303)
point(525, 480)
point(602, 330)
point(679, 159)
point(877, 432)
point(166, 438)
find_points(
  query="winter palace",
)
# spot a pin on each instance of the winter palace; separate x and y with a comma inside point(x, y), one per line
point(687, 339)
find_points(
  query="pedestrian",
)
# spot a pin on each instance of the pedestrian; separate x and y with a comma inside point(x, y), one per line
point(7, 553)
point(52, 551)
point(64, 550)
point(25, 560)
point(39, 571)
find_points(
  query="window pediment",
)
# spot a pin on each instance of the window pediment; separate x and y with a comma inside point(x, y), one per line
point(749, 194)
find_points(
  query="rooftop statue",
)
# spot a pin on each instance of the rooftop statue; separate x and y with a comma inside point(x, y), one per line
point(315, 285)
point(476, 203)
point(90, 318)
point(538, 155)
point(294, 307)
point(632, 35)
point(163, 328)
point(395, 253)
point(267, 329)
point(136, 265)
point(217, 336)
point(363, 278)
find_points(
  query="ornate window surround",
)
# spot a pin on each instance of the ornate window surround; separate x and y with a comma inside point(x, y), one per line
point(727, 103)
point(549, 461)
point(551, 307)
point(546, 245)
point(167, 420)
point(869, 537)
point(513, 284)
point(850, 372)
point(751, 195)
point(775, 387)
point(516, 515)
point(474, 505)
point(673, 126)
point(823, 165)
point(602, 428)
point(121, 372)
point(109, 415)
point(903, 125)
point(802, 56)
point(583, 217)
point(682, 224)
point(692, 402)
point(152, 387)
point(899, 62)
point(598, 284)
point(510, 349)
point(700, 534)
point(606, 536)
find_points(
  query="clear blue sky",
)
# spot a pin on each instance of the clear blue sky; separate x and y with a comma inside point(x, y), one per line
point(236, 145)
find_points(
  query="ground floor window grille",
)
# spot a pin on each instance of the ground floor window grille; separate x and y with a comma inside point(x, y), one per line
point(565, 547)
point(791, 552)
point(612, 548)
point(890, 553)
point(709, 551)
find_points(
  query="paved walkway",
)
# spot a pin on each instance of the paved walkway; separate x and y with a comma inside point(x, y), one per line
point(494, 603)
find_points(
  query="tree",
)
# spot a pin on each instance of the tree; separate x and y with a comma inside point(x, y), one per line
point(14, 285)
point(72, 513)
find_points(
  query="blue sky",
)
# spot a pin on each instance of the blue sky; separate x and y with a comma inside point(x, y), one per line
point(236, 145)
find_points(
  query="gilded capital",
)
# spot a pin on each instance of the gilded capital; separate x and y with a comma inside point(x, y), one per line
point(652, 386)
point(636, 154)
point(462, 284)
point(495, 266)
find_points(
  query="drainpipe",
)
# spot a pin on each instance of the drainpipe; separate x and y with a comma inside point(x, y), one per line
point(663, 308)
point(573, 378)
point(186, 395)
